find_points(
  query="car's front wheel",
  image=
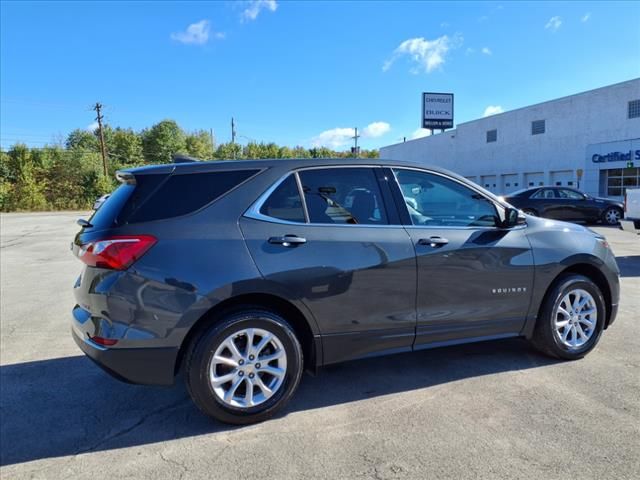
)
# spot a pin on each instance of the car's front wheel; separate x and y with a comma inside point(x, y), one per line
point(612, 216)
point(244, 368)
point(571, 319)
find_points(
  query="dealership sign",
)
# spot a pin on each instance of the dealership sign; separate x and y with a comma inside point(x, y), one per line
point(616, 156)
point(437, 110)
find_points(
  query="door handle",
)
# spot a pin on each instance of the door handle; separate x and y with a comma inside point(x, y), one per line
point(433, 241)
point(288, 240)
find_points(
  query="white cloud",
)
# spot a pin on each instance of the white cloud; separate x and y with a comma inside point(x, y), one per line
point(92, 126)
point(254, 8)
point(334, 138)
point(420, 133)
point(444, 24)
point(339, 137)
point(486, 51)
point(492, 110)
point(427, 54)
point(553, 24)
point(585, 17)
point(196, 34)
point(469, 51)
point(376, 129)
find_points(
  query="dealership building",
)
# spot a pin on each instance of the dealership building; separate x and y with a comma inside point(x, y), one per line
point(589, 141)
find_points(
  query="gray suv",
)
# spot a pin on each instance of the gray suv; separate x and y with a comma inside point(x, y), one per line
point(243, 274)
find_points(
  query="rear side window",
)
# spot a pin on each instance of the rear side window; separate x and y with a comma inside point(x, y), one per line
point(343, 196)
point(544, 193)
point(285, 202)
point(186, 193)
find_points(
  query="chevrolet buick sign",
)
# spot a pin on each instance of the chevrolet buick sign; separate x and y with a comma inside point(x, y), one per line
point(437, 110)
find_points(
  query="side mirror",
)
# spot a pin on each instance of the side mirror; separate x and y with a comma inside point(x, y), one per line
point(513, 217)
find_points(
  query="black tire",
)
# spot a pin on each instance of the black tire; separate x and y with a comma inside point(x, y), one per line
point(544, 335)
point(200, 355)
point(607, 214)
point(530, 211)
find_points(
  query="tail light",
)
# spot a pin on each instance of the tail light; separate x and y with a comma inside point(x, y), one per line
point(116, 253)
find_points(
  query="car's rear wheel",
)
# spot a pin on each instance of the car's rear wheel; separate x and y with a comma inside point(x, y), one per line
point(244, 368)
point(571, 319)
point(530, 211)
point(612, 216)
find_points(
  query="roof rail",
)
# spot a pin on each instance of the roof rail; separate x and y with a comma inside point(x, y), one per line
point(180, 158)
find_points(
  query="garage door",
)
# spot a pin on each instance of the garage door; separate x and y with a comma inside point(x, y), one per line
point(563, 178)
point(488, 182)
point(533, 179)
point(510, 183)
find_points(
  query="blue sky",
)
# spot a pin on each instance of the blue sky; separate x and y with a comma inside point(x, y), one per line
point(299, 73)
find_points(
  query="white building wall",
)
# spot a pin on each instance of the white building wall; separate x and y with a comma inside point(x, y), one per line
point(572, 124)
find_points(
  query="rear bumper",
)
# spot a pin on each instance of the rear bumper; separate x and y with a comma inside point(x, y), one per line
point(145, 366)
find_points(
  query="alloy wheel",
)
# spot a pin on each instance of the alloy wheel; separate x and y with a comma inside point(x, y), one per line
point(612, 216)
point(248, 368)
point(575, 318)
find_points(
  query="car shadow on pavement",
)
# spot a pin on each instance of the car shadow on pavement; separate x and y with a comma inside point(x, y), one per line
point(68, 406)
point(629, 265)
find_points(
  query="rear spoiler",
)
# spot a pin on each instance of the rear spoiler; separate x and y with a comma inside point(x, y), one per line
point(125, 177)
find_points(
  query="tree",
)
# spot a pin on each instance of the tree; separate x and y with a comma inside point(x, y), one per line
point(163, 140)
point(199, 145)
point(82, 140)
point(229, 151)
point(124, 147)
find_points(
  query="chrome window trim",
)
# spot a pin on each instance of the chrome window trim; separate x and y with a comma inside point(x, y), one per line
point(253, 211)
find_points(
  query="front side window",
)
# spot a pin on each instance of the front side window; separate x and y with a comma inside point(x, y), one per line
point(285, 202)
point(570, 194)
point(433, 200)
point(343, 196)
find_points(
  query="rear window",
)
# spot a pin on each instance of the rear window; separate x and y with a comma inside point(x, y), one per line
point(186, 193)
point(105, 216)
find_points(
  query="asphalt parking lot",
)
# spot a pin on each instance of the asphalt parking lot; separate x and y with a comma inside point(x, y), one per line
point(491, 410)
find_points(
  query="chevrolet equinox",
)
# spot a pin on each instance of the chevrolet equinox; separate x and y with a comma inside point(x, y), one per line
point(242, 274)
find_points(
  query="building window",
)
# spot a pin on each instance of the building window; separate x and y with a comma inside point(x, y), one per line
point(537, 127)
point(492, 136)
point(619, 179)
point(515, 184)
point(634, 109)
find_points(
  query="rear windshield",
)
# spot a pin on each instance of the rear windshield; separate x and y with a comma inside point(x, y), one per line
point(104, 217)
point(186, 193)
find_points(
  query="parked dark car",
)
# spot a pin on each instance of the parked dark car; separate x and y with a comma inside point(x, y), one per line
point(244, 273)
point(563, 203)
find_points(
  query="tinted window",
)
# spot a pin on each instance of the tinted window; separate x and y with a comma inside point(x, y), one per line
point(434, 200)
point(186, 193)
point(105, 216)
point(572, 194)
point(285, 202)
point(492, 136)
point(544, 193)
point(343, 196)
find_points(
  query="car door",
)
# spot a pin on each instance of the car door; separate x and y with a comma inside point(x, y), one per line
point(573, 205)
point(545, 202)
point(339, 249)
point(474, 278)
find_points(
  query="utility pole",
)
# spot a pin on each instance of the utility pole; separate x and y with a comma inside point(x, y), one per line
point(213, 144)
point(99, 117)
point(356, 152)
point(233, 137)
